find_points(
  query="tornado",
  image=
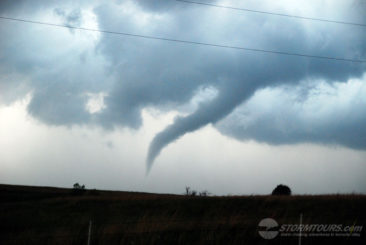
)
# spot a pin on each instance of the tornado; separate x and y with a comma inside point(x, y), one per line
point(208, 112)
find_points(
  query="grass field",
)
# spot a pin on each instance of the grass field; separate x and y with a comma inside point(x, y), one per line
point(45, 215)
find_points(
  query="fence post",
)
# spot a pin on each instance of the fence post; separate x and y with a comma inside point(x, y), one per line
point(89, 232)
point(300, 229)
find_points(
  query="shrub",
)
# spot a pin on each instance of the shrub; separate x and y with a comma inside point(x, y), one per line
point(204, 193)
point(281, 190)
point(78, 189)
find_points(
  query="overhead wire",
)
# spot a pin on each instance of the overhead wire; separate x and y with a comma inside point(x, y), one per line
point(272, 13)
point(185, 41)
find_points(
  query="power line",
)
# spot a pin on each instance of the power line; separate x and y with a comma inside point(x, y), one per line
point(185, 41)
point(272, 13)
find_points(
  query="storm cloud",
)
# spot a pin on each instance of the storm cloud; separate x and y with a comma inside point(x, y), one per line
point(63, 68)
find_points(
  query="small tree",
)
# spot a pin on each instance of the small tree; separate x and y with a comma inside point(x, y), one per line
point(78, 189)
point(76, 186)
point(188, 190)
point(281, 190)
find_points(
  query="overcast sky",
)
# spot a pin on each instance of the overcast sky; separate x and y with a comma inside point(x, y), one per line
point(127, 113)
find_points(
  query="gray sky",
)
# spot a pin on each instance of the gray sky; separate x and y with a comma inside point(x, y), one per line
point(102, 109)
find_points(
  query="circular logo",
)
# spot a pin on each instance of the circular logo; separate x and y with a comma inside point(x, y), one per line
point(268, 228)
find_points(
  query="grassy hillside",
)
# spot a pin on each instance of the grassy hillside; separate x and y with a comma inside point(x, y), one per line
point(43, 215)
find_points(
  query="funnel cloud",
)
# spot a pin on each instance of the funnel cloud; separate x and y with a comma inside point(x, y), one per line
point(209, 112)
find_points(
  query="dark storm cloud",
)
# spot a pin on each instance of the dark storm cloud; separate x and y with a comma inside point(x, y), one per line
point(165, 74)
point(332, 114)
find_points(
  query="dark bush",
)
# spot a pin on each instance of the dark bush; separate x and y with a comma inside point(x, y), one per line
point(78, 189)
point(282, 190)
point(204, 193)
